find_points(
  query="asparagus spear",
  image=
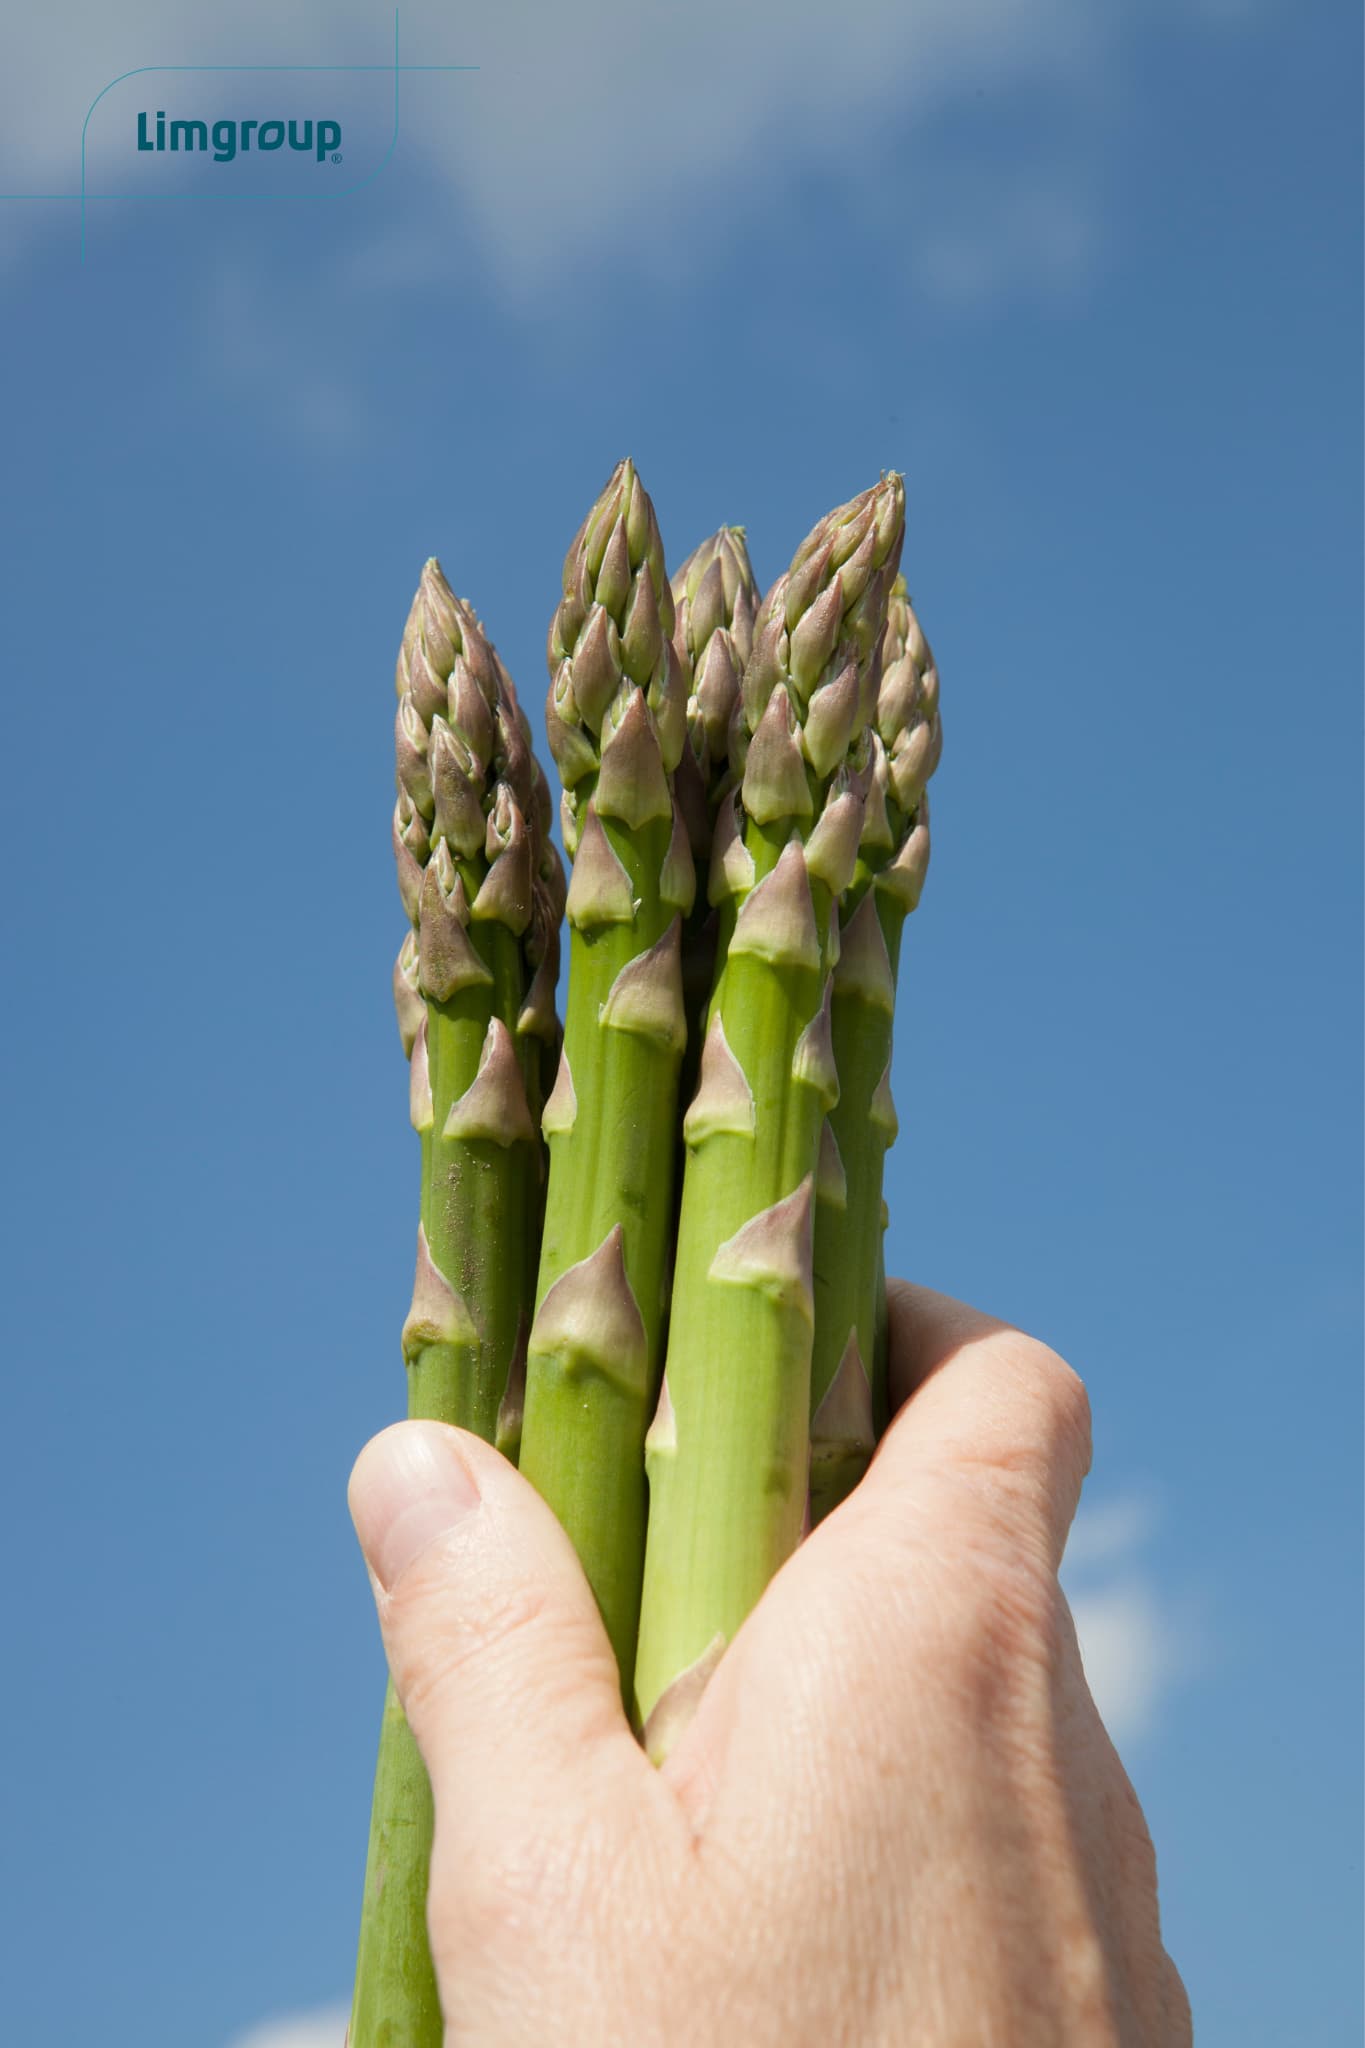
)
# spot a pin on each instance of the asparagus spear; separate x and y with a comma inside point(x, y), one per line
point(474, 987)
point(616, 718)
point(848, 1363)
point(715, 601)
point(728, 1449)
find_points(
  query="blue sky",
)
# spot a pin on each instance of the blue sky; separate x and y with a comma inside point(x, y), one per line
point(1091, 278)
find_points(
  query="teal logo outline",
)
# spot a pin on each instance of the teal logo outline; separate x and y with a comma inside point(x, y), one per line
point(332, 190)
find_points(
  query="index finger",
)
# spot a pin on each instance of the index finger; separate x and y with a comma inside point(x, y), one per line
point(926, 1330)
point(977, 1400)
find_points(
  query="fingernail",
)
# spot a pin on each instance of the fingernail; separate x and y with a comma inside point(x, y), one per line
point(410, 1487)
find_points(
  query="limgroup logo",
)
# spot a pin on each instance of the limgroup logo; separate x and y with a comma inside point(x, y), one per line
point(225, 141)
point(128, 151)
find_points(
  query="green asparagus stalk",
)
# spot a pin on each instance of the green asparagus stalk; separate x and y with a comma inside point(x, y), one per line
point(474, 987)
point(848, 1363)
point(616, 719)
point(715, 600)
point(728, 1448)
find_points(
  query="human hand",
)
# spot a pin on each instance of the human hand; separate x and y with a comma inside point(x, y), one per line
point(896, 1817)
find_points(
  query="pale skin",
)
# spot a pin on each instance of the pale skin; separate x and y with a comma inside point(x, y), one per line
point(896, 1818)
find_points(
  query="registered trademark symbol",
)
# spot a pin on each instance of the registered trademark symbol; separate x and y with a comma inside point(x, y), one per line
point(337, 158)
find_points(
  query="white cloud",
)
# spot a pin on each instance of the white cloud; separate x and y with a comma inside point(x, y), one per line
point(1035, 233)
point(1130, 1652)
point(322, 2028)
point(1137, 1643)
point(599, 129)
point(1111, 1529)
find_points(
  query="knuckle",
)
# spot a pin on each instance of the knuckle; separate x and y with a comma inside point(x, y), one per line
point(1059, 1393)
point(1070, 1402)
point(1037, 1463)
point(484, 1621)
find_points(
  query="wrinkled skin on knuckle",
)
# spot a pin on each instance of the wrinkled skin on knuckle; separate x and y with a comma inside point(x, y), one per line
point(1064, 1400)
point(487, 1616)
point(1027, 1468)
point(1038, 1373)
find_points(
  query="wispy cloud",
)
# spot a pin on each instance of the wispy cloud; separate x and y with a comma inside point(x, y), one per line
point(324, 2027)
point(1111, 1531)
point(1138, 1643)
point(259, 355)
point(1036, 234)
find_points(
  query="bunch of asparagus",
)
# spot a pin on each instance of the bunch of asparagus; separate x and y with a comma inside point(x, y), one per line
point(649, 1261)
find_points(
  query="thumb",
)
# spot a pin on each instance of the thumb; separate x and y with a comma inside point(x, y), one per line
point(496, 1646)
